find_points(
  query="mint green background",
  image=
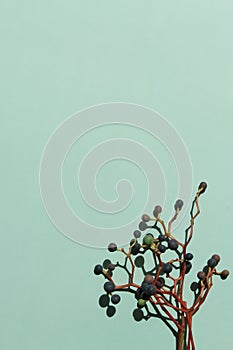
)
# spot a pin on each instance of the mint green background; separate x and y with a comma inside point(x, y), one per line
point(58, 57)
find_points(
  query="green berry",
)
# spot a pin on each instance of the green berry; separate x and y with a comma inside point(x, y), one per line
point(148, 239)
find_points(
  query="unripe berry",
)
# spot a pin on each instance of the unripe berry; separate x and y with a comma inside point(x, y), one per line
point(141, 302)
point(148, 239)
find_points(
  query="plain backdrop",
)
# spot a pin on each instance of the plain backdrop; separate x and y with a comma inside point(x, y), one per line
point(58, 57)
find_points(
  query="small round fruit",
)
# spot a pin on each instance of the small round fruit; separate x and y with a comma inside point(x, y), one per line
point(178, 204)
point(145, 218)
point(109, 287)
point(173, 244)
point(201, 275)
point(224, 274)
point(216, 257)
point(111, 267)
point(167, 268)
point(144, 295)
point(135, 249)
point(112, 247)
point(160, 283)
point(115, 299)
point(106, 263)
point(194, 286)
point(137, 234)
point(139, 261)
point(148, 239)
point(149, 279)
point(144, 286)
point(188, 256)
point(162, 238)
point(138, 293)
point(111, 310)
point(162, 248)
point(150, 290)
point(138, 315)
point(212, 262)
point(98, 269)
point(104, 300)
point(188, 267)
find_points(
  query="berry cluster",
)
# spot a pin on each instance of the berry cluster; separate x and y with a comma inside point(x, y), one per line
point(160, 293)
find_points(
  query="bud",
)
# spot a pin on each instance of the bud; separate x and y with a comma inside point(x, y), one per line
point(157, 211)
point(142, 226)
point(137, 234)
point(178, 204)
point(203, 186)
point(145, 218)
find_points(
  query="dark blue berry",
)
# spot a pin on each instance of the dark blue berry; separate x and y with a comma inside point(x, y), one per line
point(109, 287)
point(150, 290)
point(139, 261)
point(104, 300)
point(115, 299)
point(111, 310)
point(162, 248)
point(98, 269)
point(162, 238)
point(138, 315)
point(188, 266)
point(172, 244)
point(212, 262)
point(167, 268)
point(188, 256)
point(135, 249)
